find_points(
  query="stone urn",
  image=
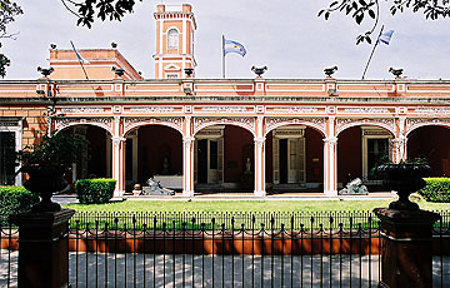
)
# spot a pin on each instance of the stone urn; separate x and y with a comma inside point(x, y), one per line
point(404, 178)
point(45, 181)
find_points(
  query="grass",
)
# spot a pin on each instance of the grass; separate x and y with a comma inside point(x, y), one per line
point(245, 206)
point(174, 213)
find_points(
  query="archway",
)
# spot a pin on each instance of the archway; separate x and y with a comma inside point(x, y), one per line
point(154, 151)
point(360, 150)
point(96, 162)
point(224, 159)
point(294, 159)
point(431, 143)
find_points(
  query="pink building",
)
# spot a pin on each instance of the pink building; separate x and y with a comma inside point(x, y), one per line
point(196, 135)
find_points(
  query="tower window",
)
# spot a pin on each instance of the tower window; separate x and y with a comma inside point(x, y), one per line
point(172, 39)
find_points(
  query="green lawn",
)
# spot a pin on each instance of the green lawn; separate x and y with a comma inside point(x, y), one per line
point(173, 214)
point(245, 206)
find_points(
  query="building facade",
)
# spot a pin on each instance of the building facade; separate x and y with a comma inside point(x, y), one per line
point(205, 135)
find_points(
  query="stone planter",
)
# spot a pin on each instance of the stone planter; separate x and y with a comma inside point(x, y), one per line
point(404, 179)
point(45, 181)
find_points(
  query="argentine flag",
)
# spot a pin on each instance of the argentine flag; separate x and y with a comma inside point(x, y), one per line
point(234, 47)
point(385, 37)
point(79, 57)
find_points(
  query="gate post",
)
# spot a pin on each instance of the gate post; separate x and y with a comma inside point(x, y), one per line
point(43, 248)
point(406, 247)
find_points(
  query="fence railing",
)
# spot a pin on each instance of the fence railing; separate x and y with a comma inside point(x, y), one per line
point(290, 220)
point(333, 249)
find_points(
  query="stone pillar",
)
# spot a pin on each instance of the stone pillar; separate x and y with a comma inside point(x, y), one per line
point(260, 168)
point(398, 149)
point(260, 159)
point(406, 247)
point(43, 249)
point(188, 158)
point(118, 164)
point(188, 167)
point(330, 166)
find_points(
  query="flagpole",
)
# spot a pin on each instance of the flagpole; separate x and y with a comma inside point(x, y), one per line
point(223, 56)
point(371, 54)
point(81, 63)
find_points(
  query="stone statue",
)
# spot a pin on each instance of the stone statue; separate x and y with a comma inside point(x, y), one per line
point(154, 188)
point(248, 166)
point(354, 187)
point(165, 166)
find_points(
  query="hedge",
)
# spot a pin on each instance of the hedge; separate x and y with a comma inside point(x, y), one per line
point(95, 191)
point(16, 199)
point(437, 190)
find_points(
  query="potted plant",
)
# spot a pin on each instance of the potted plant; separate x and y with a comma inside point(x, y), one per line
point(46, 162)
point(405, 178)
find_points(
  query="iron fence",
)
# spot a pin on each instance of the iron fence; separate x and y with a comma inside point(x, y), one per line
point(174, 220)
point(333, 249)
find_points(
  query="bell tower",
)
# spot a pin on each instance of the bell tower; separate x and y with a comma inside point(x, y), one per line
point(175, 29)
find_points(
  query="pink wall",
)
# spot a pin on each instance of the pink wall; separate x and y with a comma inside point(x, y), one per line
point(238, 146)
point(314, 151)
point(155, 143)
point(349, 154)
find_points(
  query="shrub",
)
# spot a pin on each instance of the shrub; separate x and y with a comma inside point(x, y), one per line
point(437, 190)
point(95, 191)
point(16, 199)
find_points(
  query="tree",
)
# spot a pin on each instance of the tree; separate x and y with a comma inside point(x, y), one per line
point(88, 10)
point(364, 9)
point(8, 11)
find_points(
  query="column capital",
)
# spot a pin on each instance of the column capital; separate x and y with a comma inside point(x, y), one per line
point(330, 140)
point(259, 140)
point(188, 140)
point(118, 139)
point(401, 139)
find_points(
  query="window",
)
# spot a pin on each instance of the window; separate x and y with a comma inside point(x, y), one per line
point(7, 158)
point(376, 150)
point(172, 39)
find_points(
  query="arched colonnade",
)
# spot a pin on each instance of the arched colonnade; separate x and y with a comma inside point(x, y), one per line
point(330, 129)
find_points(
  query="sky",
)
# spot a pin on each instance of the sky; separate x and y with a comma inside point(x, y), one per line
point(287, 36)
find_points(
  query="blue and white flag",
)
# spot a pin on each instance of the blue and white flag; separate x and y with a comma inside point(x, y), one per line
point(231, 46)
point(80, 58)
point(385, 37)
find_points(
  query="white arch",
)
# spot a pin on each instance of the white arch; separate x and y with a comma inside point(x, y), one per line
point(61, 127)
point(316, 127)
point(131, 127)
point(225, 121)
point(344, 127)
point(434, 123)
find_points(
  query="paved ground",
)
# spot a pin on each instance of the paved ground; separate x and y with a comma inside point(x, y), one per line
point(219, 270)
point(68, 199)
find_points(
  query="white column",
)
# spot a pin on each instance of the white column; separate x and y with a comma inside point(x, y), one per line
point(260, 168)
point(260, 163)
point(188, 159)
point(118, 163)
point(19, 142)
point(330, 160)
point(330, 166)
point(398, 149)
point(401, 140)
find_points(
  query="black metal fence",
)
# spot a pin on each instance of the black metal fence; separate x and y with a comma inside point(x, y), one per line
point(332, 249)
